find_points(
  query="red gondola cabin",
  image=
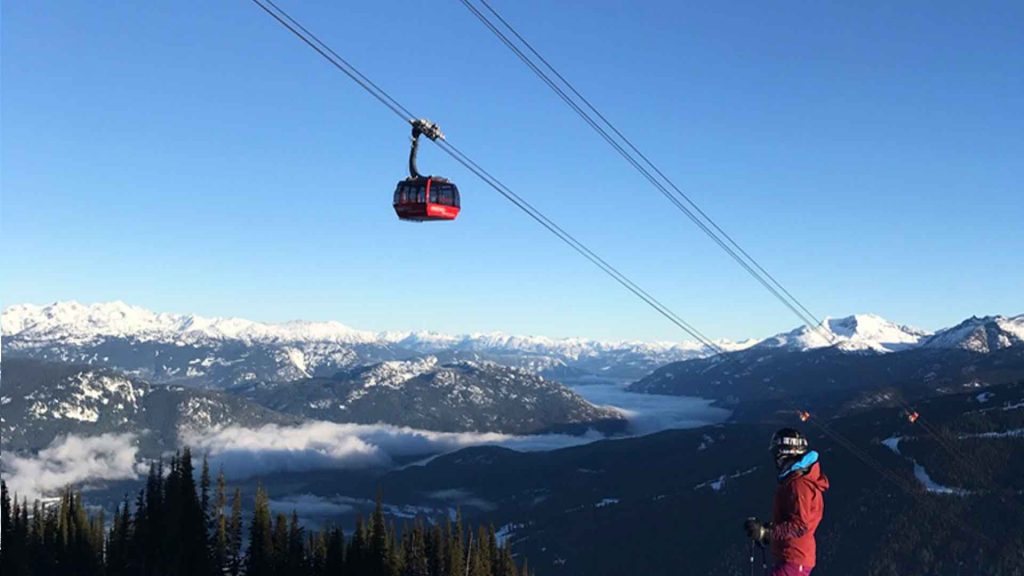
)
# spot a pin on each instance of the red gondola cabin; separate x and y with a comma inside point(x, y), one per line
point(426, 198)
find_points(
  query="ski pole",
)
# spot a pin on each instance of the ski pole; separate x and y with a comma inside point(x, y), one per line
point(751, 558)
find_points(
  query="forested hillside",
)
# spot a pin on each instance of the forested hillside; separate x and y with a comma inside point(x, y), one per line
point(174, 527)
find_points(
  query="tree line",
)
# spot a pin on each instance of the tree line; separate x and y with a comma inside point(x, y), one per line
point(175, 527)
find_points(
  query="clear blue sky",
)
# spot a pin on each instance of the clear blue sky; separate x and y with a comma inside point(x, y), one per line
point(194, 157)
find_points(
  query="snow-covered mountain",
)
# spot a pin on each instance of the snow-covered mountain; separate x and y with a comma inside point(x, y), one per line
point(424, 393)
point(853, 333)
point(196, 350)
point(41, 401)
point(74, 323)
point(861, 352)
point(226, 352)
point(981, 334)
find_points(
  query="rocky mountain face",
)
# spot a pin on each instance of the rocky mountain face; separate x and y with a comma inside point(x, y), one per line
point(426, 394)
point(981, 335)
point(41, 401)
point(44, 400)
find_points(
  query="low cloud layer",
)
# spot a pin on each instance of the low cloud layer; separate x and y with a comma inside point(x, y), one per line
point(71, 460)
point(649, 413)
point(246, 452)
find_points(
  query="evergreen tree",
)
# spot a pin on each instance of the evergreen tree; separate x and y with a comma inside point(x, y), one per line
point(281, 544)
point(456, 552)
point(480, 559)
point(379, 561)
point(260, 560)
point(10, 550)
point(14, 552)
point(296, 563)
point(415, 561)
point(507, 564)
point(316, 557)
point(494, 549)
point(335, 562)
point(204, 488)
point(167, 533)
point(150, 522)
point(436, 549)
point(219, 520)
point(235, 535)
point(194, 545)
point(119, 542)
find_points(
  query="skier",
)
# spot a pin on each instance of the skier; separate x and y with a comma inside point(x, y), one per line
point(797, 508)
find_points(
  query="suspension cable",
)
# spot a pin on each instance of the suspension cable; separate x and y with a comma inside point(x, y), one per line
point(704, 221)
point(697, 215)
point(391, 103)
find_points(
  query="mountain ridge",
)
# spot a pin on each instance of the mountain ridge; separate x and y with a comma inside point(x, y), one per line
point(193, 350)
point(74, 322)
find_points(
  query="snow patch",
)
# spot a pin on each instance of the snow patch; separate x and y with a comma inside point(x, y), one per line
point(931, 486)
point(718, 483)
point(1013, 433)
point(893, 443)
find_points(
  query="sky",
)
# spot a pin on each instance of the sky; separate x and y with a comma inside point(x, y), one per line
point(195, 157)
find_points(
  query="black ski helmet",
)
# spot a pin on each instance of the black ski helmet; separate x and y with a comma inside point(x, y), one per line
point(787, 444)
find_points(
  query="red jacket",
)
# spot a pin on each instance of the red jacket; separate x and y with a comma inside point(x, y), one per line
point(796, 513)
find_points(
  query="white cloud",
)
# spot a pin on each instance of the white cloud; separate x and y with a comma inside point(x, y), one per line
point(71, 460)
point(246, 452)
point(315, 445)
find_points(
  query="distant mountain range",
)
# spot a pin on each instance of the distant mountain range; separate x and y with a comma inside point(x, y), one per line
point(869, 355)
point(224, 352)
point(71, 368)
point(44, 400)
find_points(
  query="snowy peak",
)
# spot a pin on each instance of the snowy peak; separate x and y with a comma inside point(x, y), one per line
point(75, 323)
point(569, 348)
point(982, 335)
point(860, 332)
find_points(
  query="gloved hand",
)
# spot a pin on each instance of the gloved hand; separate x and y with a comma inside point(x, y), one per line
point(758, 531)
